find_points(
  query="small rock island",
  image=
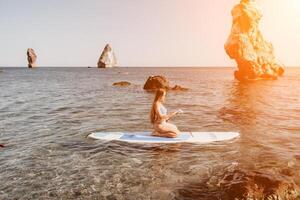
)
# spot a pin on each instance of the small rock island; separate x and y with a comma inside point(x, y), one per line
point(122, 84)
point(160, 82)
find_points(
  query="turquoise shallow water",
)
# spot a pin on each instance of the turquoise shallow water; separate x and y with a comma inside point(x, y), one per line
point(46, 114)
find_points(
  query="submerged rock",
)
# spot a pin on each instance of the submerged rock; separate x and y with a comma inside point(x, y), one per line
point(107, 58)
point(31, 57)
point(161, 82)
point(122, 84)
point(246, 45)
point(239, 184)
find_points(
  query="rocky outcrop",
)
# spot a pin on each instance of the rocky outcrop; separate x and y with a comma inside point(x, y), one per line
point(157, 82)
point(31, 57)
point(122, 84)
point(246, 45)
point(107, 58)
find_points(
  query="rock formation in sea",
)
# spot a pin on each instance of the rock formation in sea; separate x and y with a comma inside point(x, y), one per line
point(122, 84)
point(179, 88)
point(31, 57)
point(107, 58)
point(247, 46)
point(157, 82)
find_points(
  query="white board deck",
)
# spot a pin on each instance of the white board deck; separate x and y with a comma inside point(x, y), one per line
point(145, 137)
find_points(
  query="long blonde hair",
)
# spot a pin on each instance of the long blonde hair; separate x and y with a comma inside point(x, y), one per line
point(153, 114)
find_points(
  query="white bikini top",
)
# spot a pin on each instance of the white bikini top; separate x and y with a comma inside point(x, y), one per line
point(162, 110)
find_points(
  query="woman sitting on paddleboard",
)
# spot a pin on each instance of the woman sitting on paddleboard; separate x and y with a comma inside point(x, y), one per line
point(159, 117)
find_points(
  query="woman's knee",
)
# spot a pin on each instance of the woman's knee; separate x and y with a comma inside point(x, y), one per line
point(167, 128)
point(174, 128)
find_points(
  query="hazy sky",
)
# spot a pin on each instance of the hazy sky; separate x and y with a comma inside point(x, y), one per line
point(142, 32)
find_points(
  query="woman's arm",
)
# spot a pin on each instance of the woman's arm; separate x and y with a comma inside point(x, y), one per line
point(172, 114)
point(165, 116)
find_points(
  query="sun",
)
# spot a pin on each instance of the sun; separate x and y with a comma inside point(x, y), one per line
point(295, 4)
point(294, 9)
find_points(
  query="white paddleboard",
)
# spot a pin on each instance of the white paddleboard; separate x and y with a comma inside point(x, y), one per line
point(145, 137)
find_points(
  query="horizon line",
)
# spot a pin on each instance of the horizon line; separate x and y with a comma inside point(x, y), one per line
point(131, 67)
point(87, 66)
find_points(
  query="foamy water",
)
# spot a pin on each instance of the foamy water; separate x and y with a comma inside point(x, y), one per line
point(46, 114)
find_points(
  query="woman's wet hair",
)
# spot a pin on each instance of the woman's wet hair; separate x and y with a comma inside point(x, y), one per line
point(158, 95)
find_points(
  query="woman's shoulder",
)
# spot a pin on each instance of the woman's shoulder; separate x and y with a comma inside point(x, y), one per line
point(159, 106)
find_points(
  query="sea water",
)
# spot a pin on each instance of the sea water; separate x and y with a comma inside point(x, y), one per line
point(46, 114)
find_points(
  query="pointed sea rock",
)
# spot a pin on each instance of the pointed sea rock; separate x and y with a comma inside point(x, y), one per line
point(31, 57)
point(107, 58)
